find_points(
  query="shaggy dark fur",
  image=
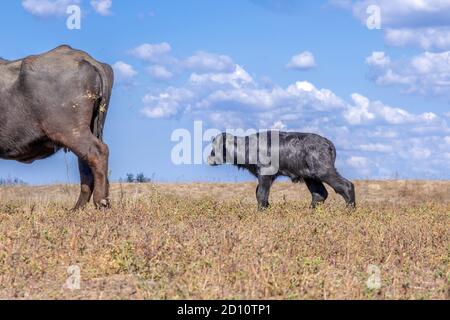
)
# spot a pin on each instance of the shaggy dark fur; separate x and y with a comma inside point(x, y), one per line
point(301, 157)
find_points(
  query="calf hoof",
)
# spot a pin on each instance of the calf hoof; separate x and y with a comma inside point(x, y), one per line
point(351, 206)
point(316, 205)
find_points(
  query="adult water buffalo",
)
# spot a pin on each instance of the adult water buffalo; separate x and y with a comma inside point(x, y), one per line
point(299, 156)
point(57, 100)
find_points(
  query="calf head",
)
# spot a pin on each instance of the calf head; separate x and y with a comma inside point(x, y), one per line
point(222, 150)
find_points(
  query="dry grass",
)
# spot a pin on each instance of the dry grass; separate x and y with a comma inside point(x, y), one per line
point(207, 241)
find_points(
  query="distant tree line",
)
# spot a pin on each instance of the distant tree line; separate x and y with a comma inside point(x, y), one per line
point(138, 178)
point(11, 182)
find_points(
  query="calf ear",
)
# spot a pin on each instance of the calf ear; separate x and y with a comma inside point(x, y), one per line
point(229, 143)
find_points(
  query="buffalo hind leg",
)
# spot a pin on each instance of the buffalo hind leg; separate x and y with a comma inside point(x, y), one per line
point(87, 184)
point(90, 150)
point(263, 191)
point(318, 191)
point(97, 160)
point(343, 187)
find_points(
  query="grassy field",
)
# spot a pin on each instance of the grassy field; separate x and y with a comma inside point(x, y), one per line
point(207, 241)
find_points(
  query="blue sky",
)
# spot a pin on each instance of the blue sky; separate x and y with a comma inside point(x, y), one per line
point(381, 95)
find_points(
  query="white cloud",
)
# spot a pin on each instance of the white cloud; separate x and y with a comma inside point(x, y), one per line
point(365, 111)
point(165, 104)
point(423, 24)
point(151, 52)
point(167, 66)
point(238, 91)
point(425, 38)
point(300, 101)
point(102, 7)
point(279, 125)
point(378, 59)
point(235, 92)
point(408, 22)
point(302, 61)
point(360, 113)
point(205, 61)
point(358, 162)
point(47, 8)
point(124, 71)
point(425, 74)
point(406, 13)
point(322, 99)
point(447, 140)
point(391, 77)
point(237, 78)
point(376, 147)
point(159, 72)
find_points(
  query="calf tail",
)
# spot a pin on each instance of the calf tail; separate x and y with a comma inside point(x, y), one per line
point(106, 74)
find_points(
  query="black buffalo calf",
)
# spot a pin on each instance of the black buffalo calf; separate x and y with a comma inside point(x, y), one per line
point(302, 157)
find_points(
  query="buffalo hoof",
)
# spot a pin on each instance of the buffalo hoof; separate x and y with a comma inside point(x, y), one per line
point(104, 204)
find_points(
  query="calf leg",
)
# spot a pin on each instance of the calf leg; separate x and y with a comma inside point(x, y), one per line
point(87, 185)
point(342, 186)
point(318, 191)
point(263, 191)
